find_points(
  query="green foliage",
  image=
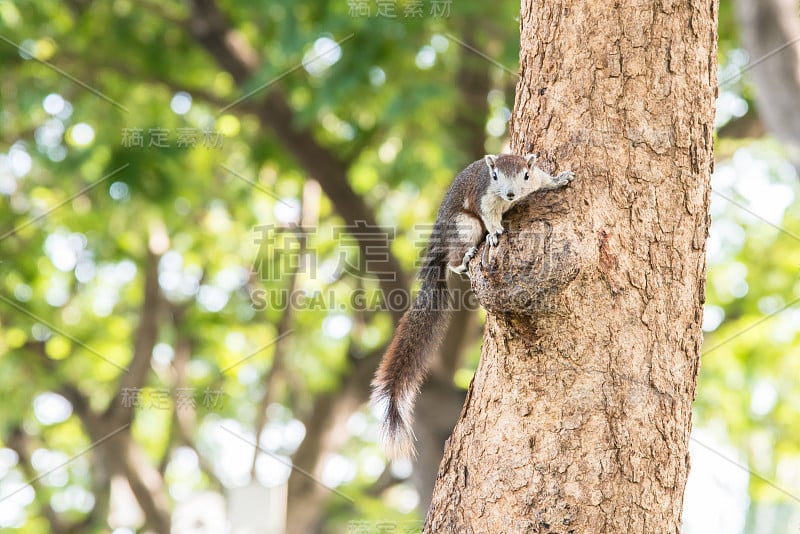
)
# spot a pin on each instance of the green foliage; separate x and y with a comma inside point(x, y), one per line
point(81, 219)
point(749, 361)
point(77, 225)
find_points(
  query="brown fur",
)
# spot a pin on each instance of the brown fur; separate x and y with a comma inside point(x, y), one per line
point(461, 224)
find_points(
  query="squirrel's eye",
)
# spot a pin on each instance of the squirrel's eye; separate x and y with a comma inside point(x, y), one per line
point(494, 175)
point(526, 175)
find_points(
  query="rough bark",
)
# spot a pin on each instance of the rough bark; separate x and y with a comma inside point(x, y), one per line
point(579, 415)
point(770, 31)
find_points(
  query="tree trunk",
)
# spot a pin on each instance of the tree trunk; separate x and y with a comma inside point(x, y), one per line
point(579, 415)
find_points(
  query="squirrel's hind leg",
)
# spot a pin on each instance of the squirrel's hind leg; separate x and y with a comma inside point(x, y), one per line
point(463, 247)
point(462, 268)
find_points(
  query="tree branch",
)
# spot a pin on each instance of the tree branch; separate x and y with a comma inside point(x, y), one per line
point(385, 481)
point(330, 413)
point(211, 29)
point(144, 341)
point(147, 485)
point(771, 33)
point(309, 211)
point(185, 421)
point(748, 126)
point(79, 401)
point(18, 442)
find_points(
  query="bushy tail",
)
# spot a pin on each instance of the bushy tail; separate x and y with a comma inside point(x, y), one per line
point(403, 368)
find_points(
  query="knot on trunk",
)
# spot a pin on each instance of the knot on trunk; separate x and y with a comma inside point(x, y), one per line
point(537, 257)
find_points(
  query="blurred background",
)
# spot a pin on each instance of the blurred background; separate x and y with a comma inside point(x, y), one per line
point(210, 219)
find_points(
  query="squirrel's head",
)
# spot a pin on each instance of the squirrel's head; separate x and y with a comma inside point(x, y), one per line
point(510, 176)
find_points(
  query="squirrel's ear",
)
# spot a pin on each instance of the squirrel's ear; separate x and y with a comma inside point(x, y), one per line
point(490, 160)
point(530, 159)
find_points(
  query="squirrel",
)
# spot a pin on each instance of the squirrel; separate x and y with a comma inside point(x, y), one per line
point(473, 208)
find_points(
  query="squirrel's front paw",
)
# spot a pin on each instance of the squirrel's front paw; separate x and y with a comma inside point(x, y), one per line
point(492, 239)
point(565, 177)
